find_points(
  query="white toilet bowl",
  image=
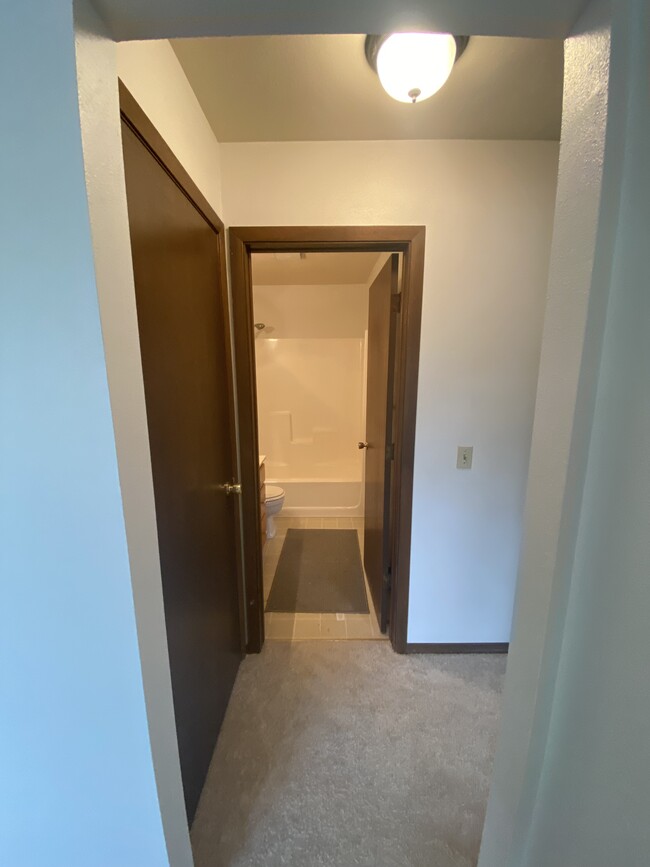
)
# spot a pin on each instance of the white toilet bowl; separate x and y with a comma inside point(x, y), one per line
point(273, 502)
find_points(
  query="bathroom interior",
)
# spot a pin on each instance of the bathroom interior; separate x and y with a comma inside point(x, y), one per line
point(310, 315)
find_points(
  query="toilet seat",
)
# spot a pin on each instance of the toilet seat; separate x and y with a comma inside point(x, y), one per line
point(273, 492)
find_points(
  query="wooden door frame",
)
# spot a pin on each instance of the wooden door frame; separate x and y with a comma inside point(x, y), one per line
point(138, 122)
point(408, 240)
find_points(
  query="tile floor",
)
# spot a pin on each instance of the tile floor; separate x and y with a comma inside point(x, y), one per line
point(300, 627)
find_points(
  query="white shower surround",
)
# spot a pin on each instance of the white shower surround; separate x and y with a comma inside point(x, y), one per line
point(311, 384)
point(329, 498)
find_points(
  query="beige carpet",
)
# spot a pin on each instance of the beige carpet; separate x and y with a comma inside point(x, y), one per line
point(338, 754)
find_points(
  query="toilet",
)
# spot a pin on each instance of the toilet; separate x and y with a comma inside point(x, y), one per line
point(273, 503)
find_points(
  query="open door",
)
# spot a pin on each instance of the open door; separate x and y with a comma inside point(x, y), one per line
point(178, 262)
point(383, 313)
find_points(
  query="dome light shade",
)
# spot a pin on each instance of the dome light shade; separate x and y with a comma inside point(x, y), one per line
point(413, 66)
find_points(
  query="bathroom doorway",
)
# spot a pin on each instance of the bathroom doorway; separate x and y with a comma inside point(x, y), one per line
point(323, 468)
point(326, 325)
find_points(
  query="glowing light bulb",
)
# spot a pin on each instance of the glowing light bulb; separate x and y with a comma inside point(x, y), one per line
point(413, 66)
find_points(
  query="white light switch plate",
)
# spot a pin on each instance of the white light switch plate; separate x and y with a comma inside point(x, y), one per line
point(464, 459)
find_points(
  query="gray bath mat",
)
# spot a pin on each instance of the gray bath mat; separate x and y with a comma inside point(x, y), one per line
point(320, 571)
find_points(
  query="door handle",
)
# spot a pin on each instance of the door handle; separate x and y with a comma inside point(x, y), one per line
point(229, 488)
point(362, 445)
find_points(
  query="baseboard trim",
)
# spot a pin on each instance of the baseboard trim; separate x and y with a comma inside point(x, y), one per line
point(424, 647)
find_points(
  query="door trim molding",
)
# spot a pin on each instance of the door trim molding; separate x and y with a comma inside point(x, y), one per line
point(144, 129)
point(408, 240)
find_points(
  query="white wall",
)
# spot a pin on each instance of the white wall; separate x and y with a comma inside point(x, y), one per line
point(488, 210)
point(152, 73)
point(570, 783)
point(310, 385)
point(554, 485)
point(100, 126)
point(77, 774)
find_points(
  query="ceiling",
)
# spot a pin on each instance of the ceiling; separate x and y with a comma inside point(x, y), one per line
point(320, 88)
point(327, 269)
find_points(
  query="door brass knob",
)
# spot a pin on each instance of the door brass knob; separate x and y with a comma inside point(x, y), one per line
point(362, 445)
point(230, 488)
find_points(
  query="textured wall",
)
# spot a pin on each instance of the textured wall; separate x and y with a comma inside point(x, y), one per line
point(570, 778)
point(593, 799)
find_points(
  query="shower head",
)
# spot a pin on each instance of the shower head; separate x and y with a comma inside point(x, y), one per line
point(260, 326)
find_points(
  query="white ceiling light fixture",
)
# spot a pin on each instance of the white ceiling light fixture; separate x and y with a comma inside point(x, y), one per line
point(414, 66)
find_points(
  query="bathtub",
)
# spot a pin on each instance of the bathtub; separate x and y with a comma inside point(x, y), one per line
point(321, 498)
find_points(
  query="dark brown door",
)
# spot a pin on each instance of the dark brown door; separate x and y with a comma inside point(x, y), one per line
point(382, 330)
point(184, 340)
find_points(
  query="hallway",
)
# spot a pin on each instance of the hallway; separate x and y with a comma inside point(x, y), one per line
point(335, 754)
